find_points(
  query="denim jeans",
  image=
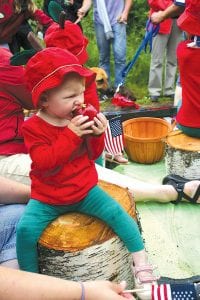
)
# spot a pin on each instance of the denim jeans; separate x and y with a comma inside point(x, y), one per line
point(9, 217)
point(118, 44)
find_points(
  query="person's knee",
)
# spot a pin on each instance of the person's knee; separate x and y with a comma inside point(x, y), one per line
point(115, 212)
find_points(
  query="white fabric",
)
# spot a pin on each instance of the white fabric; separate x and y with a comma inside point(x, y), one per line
point(103, 15)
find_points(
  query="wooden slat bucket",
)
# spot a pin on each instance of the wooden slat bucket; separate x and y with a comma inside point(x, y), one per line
point(80, 247)
point(182, 155)
point(144, 139)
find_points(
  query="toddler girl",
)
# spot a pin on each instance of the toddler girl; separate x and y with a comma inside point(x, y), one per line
point(63, 149)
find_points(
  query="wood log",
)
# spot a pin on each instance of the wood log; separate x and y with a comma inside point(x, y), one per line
point(80, 247)
point(182, 155)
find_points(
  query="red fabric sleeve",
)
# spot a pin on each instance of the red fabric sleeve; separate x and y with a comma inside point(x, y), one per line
point(12, 83)
point(48, 149)
point(95, 146)
point(156, 5)
point(42, 18)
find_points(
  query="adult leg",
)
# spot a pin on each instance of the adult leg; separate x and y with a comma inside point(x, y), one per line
point(9, 218)
point(171, 59)
point(16, 167)
point(156, 65)
point(12, 264)
point(104, 48)
point(119, 50)
point(143, 191)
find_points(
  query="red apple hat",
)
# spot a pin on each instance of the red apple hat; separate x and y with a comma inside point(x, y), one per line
point(189, 20)
point(45, 70)
point(69, 37)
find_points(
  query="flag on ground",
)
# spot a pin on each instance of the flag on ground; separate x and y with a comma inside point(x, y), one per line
point(174, 292)
point(114, 142)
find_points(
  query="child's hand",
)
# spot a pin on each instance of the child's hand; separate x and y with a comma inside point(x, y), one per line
point(80, 126)
point(100, 124)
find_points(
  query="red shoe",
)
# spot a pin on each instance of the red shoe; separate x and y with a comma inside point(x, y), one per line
point(122, 101)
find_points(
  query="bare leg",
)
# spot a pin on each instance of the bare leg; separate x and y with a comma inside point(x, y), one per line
point(13, 192)
point(143, 191)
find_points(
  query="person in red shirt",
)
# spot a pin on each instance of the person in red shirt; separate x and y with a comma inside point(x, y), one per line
point(164, 46)
point(15, 13)
point(63, 149)
point(188, 54)
point(14, 97)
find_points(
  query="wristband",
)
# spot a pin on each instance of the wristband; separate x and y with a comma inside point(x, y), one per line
point(82, 291)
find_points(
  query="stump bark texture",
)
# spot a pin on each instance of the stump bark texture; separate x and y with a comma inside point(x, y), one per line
point(183, 155)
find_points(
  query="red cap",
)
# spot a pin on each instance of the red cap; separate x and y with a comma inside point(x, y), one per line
point(70, 38)
point(189, 20)
point(45, 70)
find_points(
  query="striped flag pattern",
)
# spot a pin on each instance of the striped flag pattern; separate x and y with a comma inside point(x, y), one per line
point(174, 292)
point(114, 142)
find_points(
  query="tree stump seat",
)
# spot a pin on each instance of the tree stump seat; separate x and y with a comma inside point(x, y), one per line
point(182, 155)
point(80, 247)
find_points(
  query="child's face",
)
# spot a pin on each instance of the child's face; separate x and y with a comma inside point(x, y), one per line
point(62, 100)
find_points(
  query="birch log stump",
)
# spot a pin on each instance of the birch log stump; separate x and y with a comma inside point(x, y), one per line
point(183, 155)
point(80, 247)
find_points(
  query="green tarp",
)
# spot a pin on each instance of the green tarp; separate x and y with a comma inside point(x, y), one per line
point(171, 232)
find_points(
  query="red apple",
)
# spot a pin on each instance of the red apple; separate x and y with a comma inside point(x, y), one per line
point(86, 110)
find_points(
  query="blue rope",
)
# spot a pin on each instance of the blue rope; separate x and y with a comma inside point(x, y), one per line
point(151, 31)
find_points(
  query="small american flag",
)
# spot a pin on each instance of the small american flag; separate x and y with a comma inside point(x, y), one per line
point(174, 292)
point(114, 142)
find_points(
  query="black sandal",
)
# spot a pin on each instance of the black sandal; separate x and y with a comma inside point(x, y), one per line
point(178, 183)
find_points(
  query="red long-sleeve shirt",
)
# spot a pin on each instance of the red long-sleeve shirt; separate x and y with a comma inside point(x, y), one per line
point(156, 5)
point(188, 62)
point(63, 169)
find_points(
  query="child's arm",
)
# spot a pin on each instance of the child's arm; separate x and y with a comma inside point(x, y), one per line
point(19, 285)
point(47, 148)
point(95, 146)
point(42, 18)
